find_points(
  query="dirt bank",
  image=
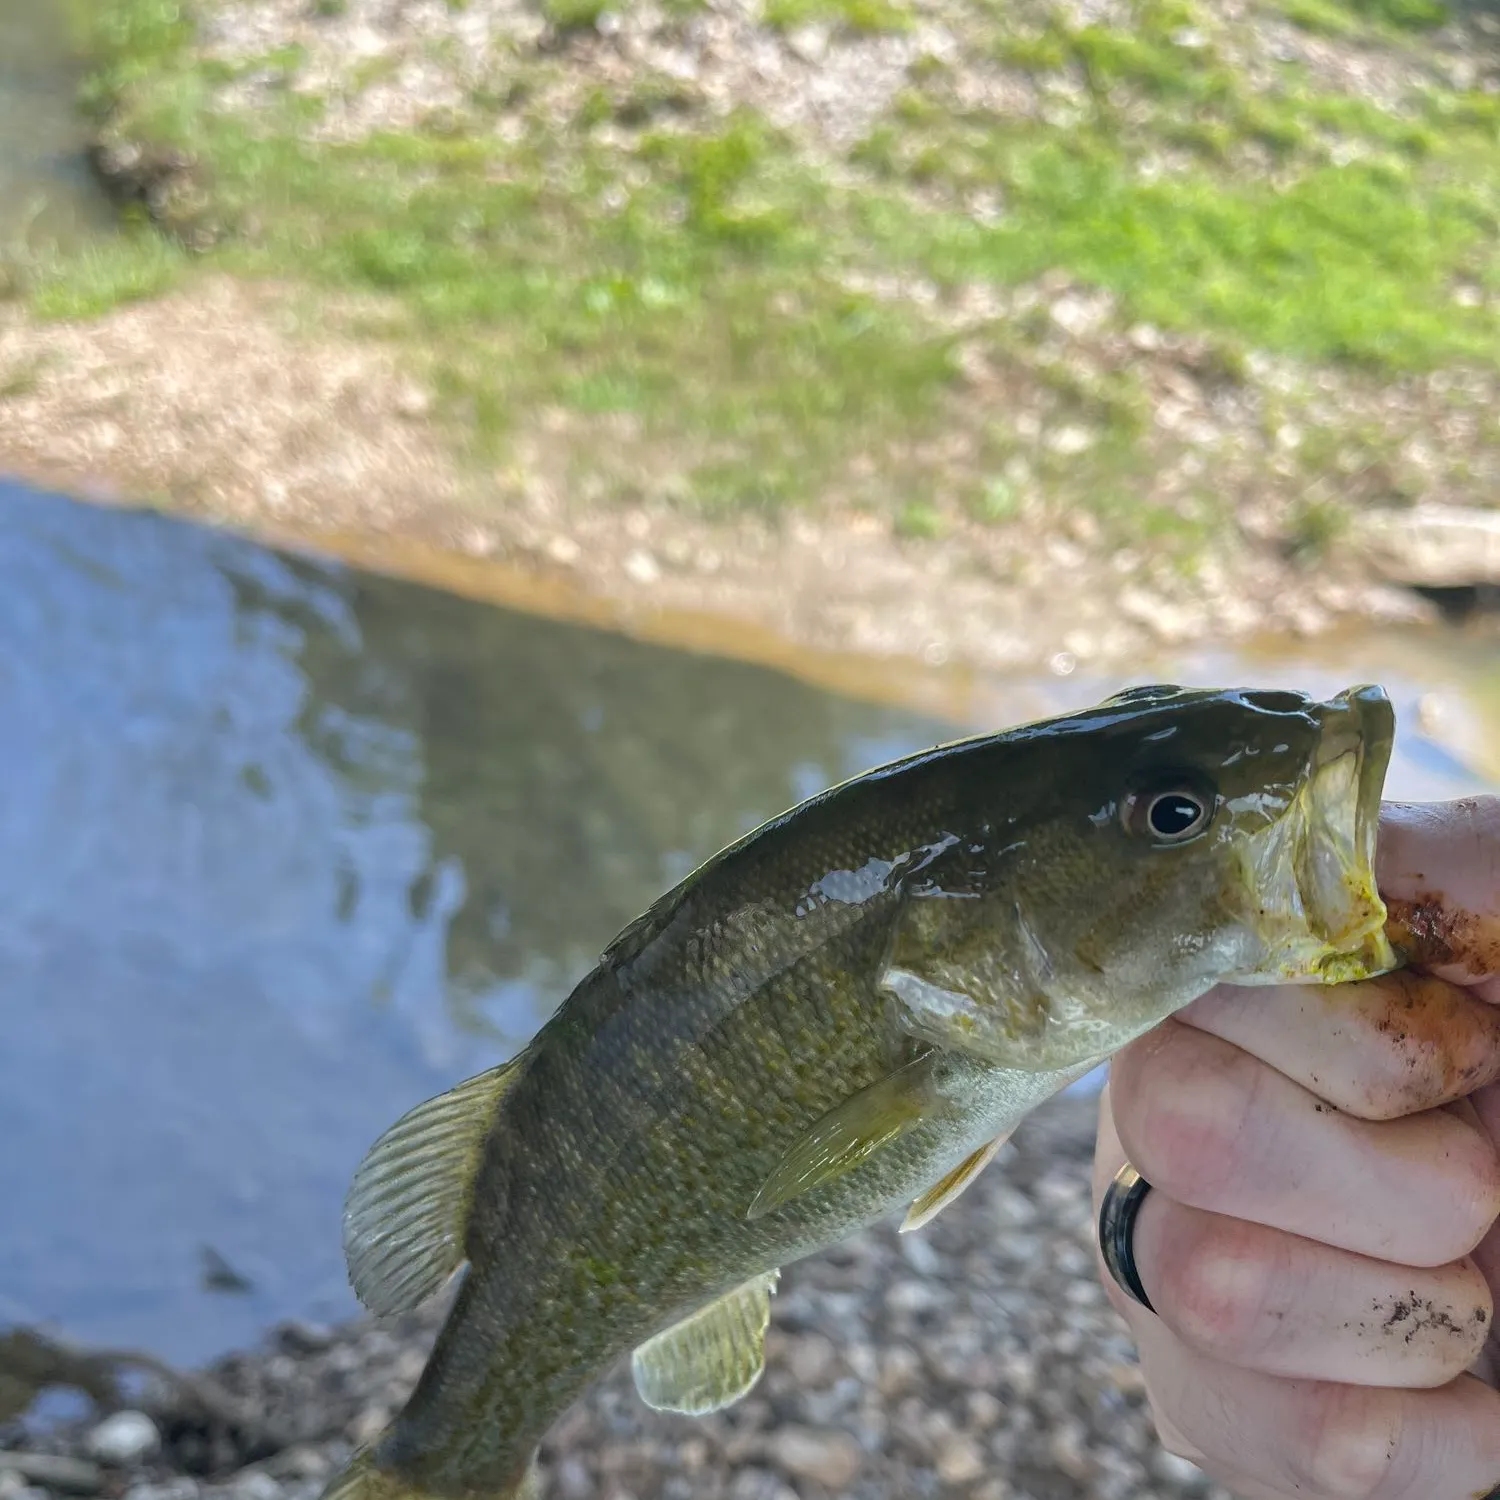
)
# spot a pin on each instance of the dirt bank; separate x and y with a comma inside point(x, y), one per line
point(245, 404)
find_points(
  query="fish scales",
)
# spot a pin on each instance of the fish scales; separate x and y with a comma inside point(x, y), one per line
point(678, 1124)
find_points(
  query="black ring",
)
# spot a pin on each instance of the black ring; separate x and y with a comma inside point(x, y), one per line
point(1122, 1202)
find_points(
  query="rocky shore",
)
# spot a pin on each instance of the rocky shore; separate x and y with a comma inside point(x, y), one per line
point(977, 1358)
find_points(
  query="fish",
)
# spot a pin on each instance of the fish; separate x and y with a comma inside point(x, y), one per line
point(838, 1017)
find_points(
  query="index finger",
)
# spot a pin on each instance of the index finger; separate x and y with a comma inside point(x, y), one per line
point(1438, 866)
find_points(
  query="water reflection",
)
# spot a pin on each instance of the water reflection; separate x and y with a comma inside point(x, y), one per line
point(285, 848)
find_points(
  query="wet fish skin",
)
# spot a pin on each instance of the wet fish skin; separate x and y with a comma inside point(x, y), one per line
point(826, 1019)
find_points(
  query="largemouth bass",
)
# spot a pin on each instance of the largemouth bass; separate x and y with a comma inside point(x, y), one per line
point(843, 1014)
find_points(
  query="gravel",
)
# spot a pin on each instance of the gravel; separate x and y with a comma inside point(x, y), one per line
point(977, 1358)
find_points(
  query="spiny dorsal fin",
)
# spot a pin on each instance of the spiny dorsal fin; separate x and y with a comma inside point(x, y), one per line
point(712, 1357)
point(851, 1132)
point(929, 1205)
point(408, 1205)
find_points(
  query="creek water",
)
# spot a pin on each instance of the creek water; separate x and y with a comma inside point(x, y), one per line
point(47, 195)
point(286, 847)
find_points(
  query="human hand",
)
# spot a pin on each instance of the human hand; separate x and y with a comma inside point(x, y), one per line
point(1320, 1240)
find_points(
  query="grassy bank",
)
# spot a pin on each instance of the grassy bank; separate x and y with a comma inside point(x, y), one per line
point(947, 311)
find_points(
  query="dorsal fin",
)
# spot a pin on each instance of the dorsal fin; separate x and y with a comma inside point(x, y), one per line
point(408, 1205)
point(712, 1357)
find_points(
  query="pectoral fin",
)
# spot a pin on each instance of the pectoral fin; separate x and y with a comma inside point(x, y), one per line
point(710, 1359)
point(931, 1203)
point(851, 1132)
point(408, 1206)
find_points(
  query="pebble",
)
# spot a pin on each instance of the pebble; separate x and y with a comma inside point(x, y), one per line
point(641, 567)
point(759, 1484)
point(900, 1370)
point(256, 1484)
point(910, 1296)
point(1182, 1473)
point(300, 1461)
point(368, 1424)
point(300, 1337)
point(960, 1460)
point(572, 1480)
point(125, 1439)
point(831, 1457)
point(812, 1360)
point(180, 1488)
point(74, 1476)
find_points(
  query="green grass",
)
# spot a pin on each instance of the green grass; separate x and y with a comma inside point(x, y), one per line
point(1349, 17)
point(857, 15)
point(697, 307)
point(1344, 263)
point(1293, 218)
point(694, 284)
point(83, 284)
point(574, 15)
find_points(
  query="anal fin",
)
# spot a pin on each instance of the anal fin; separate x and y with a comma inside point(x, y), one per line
point(852, 1132)
point(408, 1206)
point(712, 1357)
point(930, 1204)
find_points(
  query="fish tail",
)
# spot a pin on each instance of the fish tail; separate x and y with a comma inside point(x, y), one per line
point(363, 1478)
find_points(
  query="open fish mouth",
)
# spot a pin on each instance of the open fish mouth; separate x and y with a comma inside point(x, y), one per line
point(1319, 914)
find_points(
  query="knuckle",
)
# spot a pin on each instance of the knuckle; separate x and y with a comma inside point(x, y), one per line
point(1184, 1133)
point(1215, 1282)
point(1423, 1042)
point(1467, 1182)
point(1351, 1444)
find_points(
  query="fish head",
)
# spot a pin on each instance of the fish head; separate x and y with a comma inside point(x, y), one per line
point(1175, 839)
point(1233, 838)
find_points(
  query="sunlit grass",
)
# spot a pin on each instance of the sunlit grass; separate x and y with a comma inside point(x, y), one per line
point(695, 280)
point(92, 280)
point(858, 15)
point(1345, 263)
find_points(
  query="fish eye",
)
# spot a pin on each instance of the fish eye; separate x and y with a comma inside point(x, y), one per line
point(1170, 814)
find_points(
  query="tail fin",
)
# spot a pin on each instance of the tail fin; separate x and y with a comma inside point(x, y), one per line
point(364, 1479)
